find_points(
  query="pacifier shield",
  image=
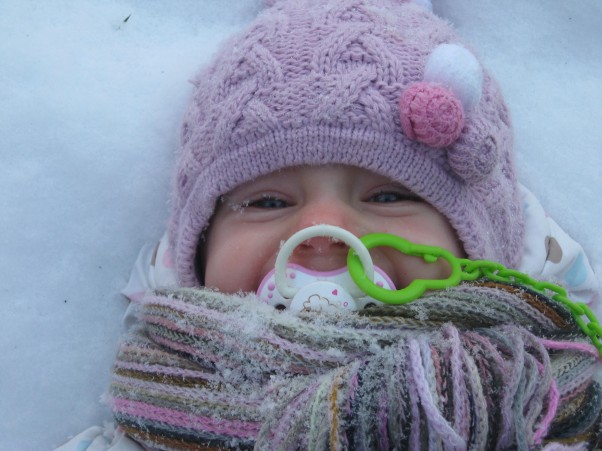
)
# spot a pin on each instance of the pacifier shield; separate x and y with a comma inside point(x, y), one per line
point(299, 277)
point(322, 296)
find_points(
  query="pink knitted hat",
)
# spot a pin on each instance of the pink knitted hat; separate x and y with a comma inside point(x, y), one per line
point(380, 84)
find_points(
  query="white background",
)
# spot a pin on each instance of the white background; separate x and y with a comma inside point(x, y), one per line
point(90, 106)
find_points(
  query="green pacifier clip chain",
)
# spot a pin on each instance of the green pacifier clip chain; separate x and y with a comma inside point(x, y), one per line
point(462, 269)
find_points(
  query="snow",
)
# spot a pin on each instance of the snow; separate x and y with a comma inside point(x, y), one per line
point(91, 104)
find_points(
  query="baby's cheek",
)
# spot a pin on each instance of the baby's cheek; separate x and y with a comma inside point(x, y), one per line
point(227, 282)
point(219, 274)
point(232, 274)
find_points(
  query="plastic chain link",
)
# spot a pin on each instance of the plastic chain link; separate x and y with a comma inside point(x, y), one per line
point(463, 269)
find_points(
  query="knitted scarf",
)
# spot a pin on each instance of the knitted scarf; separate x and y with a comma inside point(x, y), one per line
point(480, 366)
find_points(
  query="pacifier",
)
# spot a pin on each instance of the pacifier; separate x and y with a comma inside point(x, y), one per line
point(359, 284)
point(301, 289)
point(318, 290)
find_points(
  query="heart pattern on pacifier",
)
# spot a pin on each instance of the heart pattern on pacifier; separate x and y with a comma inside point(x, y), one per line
point(303, 290)
point(300, 277)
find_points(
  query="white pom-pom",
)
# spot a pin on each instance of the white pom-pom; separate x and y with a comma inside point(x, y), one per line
point(425, 4)
point(457, 69)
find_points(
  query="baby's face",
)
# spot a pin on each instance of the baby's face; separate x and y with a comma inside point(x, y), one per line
point(251, 222)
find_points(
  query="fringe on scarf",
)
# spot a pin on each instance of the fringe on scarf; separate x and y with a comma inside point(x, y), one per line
point(481, 366)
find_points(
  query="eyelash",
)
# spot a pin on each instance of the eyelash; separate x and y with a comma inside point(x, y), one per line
point(267, 202)
point(397, 197)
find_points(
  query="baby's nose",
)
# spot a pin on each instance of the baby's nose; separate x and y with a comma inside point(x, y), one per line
point(330, 211)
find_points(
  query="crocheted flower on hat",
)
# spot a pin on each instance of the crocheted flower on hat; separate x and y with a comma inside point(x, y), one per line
point(432, 111)
point(475, 154)
point(431, 114)
point(437, 112)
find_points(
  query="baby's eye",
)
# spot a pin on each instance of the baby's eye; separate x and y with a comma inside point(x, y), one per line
point(267, 202)
point(392, 196)
point(385, 197)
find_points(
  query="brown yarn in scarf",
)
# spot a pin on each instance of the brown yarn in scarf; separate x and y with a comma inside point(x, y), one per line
point(480, 366)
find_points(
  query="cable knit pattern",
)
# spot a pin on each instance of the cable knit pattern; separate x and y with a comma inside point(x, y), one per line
point(482, 366)
point(314, 82)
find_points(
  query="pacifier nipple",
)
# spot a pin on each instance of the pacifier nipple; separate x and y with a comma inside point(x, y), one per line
point(301, 289)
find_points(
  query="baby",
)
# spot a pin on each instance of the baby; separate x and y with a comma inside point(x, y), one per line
point(250, 222)
point(371, 116)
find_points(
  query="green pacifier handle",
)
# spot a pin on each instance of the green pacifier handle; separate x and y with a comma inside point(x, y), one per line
point(463, 269)
point(417, 287)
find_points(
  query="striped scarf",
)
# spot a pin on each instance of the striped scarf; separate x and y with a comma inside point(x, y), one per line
point(481, 366)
